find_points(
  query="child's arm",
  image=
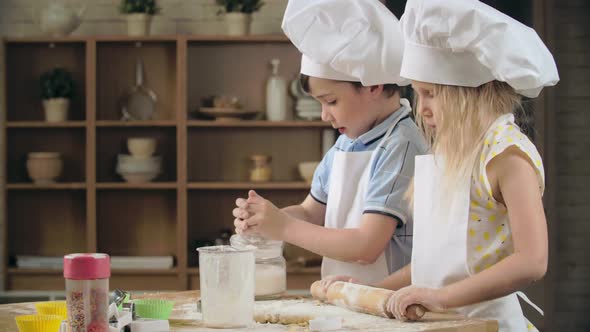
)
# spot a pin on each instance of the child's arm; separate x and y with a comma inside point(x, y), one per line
point(397, 280)
point(363, 244)
point(309, 210)
point(514, 182)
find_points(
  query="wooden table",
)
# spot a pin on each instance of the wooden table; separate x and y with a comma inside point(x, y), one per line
point(431, 322)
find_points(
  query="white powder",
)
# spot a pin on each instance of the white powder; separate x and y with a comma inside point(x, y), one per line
point(227, 287)
point(270, 279)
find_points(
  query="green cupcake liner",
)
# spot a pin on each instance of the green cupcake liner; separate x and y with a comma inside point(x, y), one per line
point(153, 308)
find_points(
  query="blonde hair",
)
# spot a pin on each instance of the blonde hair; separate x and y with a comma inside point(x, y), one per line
point(464, 117)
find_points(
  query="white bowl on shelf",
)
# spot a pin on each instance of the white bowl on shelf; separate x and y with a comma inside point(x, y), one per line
point(307, 169)
point(130, 164)
point(141, 147)
point(139, 177)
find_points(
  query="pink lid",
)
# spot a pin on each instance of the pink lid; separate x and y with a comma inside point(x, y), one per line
point(87, 266)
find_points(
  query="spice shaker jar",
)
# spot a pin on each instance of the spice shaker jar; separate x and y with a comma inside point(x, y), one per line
point(87, 291)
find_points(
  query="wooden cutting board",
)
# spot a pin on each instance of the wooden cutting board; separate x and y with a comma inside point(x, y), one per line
point(185, 317)
point(291, 309)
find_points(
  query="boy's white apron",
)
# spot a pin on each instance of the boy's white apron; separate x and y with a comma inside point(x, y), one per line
point(349, 178)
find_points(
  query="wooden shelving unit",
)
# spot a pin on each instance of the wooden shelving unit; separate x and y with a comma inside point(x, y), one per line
point(205, 163)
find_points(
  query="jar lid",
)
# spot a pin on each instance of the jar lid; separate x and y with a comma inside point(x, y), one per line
point(260, 157)
point(87, 266)
point(265, 248)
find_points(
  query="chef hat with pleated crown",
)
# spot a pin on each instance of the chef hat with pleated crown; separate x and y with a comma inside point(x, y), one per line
point(468, 43)
point(347, 40)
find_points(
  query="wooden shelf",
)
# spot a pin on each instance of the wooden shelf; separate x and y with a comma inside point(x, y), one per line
point(118, 123)
point(298, 270)
point(259, 124)
point(248, 185)
point(26, 271)
point(203, 163)
point(125, 185)
point(43, 124)
point(144, 272)
point(49, 40)
point(152, 38)
point(245, 39)
point(52, 186)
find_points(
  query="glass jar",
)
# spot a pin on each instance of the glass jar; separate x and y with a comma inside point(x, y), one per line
point(227, 286)
point(271, 266)
point(260, 171)
point(87, 291)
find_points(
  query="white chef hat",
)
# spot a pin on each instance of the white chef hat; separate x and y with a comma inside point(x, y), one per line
point(468, 43)
point(348, 40)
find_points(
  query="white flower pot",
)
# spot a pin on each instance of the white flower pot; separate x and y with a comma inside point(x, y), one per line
point(138, 24)
point(56, 109)
point(237, 24)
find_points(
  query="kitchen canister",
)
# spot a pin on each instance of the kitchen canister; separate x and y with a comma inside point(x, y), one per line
point(87, 291)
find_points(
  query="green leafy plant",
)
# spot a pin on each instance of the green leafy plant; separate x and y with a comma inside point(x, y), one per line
point(240, 6)
point(57, 83)
point(149, 7)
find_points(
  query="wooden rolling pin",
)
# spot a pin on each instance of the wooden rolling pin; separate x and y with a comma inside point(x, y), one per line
point(361, 298)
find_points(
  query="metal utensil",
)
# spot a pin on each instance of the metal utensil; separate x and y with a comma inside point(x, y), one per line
point(140, 102)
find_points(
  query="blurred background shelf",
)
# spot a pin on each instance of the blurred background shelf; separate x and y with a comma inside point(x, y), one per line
point(205, 164)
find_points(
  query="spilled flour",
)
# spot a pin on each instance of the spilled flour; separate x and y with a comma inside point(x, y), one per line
point(294, 315)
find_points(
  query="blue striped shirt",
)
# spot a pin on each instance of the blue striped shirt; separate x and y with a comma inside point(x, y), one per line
point(391, 173)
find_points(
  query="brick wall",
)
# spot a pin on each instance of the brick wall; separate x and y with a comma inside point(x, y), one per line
point(571, 32)
point(20, 17)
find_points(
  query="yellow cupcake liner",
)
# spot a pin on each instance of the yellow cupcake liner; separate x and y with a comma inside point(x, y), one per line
point(38, 323)
point(153, 308)
point(58, 308)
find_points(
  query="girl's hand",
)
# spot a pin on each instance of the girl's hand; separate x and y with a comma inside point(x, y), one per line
point(326, 282)
point(430, 298)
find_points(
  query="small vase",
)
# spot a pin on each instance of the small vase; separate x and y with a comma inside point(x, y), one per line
point(56, 109)
point(237, 24)
point(138, 24)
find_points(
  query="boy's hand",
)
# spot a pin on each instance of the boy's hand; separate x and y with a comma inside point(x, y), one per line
point(241, 213)
point(264, 218)
point(430, 298)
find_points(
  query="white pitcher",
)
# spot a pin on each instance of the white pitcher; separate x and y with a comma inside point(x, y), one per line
point(57, 19)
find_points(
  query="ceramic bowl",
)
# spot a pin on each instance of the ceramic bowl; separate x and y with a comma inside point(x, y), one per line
point(306, 170)
point(138, 177)
point(141, 147)
point(44, 167)
point(132, 164)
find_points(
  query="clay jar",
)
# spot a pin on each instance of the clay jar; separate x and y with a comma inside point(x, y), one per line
point(44, 167)
point(260, 171)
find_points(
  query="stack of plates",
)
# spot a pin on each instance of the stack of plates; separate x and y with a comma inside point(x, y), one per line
point(138, 170)
point(308, 108)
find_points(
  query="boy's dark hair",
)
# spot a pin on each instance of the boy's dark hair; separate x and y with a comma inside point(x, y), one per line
point(388, 89)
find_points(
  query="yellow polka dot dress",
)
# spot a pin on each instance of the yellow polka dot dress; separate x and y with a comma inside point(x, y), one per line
point(489, 239)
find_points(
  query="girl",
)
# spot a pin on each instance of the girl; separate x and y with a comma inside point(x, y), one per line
point(480, 231)
point(355, 215)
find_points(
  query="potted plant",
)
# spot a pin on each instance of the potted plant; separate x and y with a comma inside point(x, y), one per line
point(238, 15)
point(57, 88)
point(139, 15)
